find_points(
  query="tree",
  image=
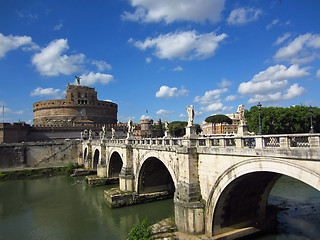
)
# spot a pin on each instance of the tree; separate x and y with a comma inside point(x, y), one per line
point(278, 120)
point(178, 128)
point(219, 118)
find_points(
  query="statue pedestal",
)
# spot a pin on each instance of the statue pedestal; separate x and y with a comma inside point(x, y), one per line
point(167, 134)
point(191, 131)
point(243, 129)
point(130, 135)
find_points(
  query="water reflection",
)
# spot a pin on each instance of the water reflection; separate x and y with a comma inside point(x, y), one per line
point(66, 208)
point(300, 218)
point(62, 208)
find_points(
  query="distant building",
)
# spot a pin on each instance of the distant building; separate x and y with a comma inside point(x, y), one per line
point(222, 128)
point(80, 107)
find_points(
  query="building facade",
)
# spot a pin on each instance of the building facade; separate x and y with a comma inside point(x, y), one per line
point(79, 107)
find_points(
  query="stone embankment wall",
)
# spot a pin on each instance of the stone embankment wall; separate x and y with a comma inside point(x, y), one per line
point(51, 154)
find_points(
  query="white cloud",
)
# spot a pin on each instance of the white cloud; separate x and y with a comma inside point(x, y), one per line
point(47, 92)
point(101, 65)
point(301, 47)
point(183, 45)
point(292, 92)
point(167, 92)
point(58, 27)
point(318, 74)
point(210, 96)
point(178, 69)
point(9, 43)
point(93, 78)
point(175, 10)
point(282, 38)
point(274, 22)
point(51, 62)
point(181, 115)
point(214, 107)
point(268, 85)
point(164, 113)
point(242, 16)
point(148, 60)
point(145, 117)
point(224, 83)
point(230, 98)
point(8, 111)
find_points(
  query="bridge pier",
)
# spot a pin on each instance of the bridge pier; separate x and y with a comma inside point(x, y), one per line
point(88, 156)
point(189, 209)
point(126, 176)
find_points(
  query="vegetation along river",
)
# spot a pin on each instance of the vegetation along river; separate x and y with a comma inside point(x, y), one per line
point(67, 208)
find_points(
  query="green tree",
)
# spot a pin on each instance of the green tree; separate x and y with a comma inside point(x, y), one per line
point(178, 128)
point(219, 118)
point(278, 120)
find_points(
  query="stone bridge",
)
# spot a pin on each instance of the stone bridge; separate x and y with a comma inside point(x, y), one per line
point(221, 184)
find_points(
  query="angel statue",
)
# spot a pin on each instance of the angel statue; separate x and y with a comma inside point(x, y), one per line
point(191, 115)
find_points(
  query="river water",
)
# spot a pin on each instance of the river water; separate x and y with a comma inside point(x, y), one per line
point(67, 208)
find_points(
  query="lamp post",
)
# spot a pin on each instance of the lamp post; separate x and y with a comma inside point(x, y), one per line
point(259, 108)
point(311, 111)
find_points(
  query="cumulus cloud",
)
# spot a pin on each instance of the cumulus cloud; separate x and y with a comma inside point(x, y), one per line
point(145, 117)
point(214, 107)
point(210, 96)
point(9, 43)
point(299, 47)
point(47, 92)
point(167, 92)
point(268, 85)
point(93, 78)
point(51, 62)
point(230, 98)
point(101, 65)
point(186, 45)
point(242, 16)
point(292, 92)
point(175, 10)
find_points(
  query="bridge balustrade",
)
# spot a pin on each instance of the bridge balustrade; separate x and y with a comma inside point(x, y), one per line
point(258, 141)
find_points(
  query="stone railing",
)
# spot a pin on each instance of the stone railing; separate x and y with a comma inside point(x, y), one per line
point(258, 141)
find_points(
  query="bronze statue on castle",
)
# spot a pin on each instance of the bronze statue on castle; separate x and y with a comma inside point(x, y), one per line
point(78, 79)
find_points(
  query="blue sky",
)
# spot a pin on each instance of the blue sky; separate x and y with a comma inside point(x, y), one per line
point(153, 58)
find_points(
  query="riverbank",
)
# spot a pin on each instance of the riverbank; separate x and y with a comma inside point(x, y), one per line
point(22, 173)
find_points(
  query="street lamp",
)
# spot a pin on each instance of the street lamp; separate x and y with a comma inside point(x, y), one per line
point(311, 111)
point(259, 107)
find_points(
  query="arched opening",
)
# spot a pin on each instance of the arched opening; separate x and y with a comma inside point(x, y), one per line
point(85, 155)
point(243, 203)
point(115, 165)
point(155, 177)
point(95, 159)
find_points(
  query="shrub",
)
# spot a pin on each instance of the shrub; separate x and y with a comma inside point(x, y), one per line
point(140, 231)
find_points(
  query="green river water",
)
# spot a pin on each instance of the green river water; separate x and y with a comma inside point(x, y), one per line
point(67, 208)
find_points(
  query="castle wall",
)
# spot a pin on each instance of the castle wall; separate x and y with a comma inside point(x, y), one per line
point(80, 104)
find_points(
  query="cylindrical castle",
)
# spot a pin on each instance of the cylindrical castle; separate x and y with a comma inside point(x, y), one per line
point(79, 107)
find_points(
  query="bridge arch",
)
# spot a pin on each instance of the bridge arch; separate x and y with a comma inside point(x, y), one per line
point(85, 153)
point(154, 176)
point(115, 164)
point(245, 187)
point(96, 157)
